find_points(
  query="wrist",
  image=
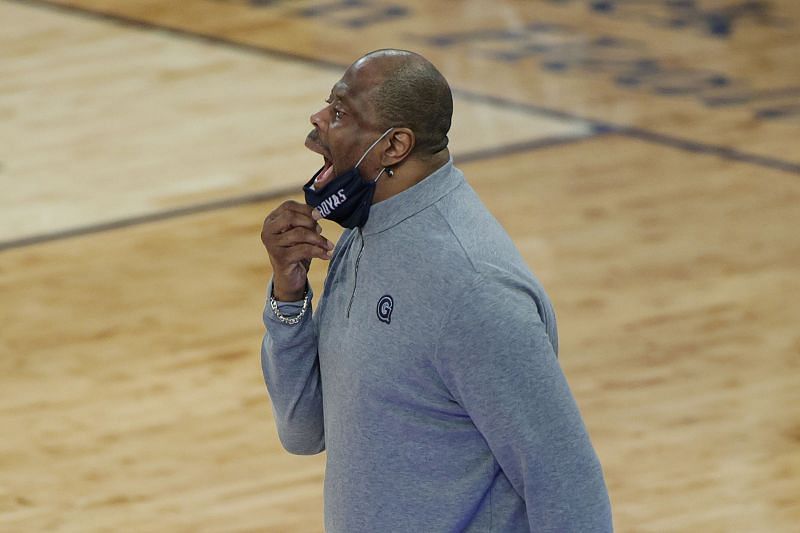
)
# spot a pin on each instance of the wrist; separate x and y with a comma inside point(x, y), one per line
point(293, 319)
point(283, 295)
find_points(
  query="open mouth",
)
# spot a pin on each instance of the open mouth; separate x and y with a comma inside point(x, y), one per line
point(325, 173)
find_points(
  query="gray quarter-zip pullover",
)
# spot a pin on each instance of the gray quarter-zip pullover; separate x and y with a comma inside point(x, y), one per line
point(429, 375)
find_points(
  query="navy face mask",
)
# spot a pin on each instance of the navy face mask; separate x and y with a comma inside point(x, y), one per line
point(347, 198)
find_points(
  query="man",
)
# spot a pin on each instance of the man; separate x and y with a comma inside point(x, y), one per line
point(429, 370)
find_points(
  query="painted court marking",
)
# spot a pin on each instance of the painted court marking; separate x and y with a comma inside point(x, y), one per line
point(638, 133)
point(229, 203)
point(591, 128)
point(89, 181)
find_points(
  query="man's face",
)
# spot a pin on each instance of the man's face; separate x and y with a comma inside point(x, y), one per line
point(345, 127)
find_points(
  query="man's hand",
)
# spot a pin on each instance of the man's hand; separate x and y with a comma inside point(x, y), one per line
point(292, 238)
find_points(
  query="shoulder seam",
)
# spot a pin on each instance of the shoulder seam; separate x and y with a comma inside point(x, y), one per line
point(458, 240)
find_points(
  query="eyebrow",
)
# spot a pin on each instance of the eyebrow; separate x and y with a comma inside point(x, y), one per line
point(339, 92)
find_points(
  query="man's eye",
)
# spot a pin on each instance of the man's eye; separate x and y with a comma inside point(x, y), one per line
point(338, 114)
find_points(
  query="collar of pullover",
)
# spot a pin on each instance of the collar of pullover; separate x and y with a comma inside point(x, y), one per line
point(411, 201)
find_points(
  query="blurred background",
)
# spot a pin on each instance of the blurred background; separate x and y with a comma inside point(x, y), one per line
point(644, 155)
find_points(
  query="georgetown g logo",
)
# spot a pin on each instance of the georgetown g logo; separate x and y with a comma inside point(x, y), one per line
point(385, 306)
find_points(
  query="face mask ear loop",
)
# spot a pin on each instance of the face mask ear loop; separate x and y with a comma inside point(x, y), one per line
point(379, 175)
point(371, 146)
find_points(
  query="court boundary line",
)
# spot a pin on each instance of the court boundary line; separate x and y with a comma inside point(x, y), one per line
point(642, 134)
point(138, 220)
point(274, 194)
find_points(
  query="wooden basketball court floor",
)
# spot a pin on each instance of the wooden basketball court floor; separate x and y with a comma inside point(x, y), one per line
point(644, 155)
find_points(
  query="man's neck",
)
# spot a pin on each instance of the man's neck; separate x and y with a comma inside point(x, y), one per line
point(411, 172)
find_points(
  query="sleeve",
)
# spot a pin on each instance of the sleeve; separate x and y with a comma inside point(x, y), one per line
point(499, 364)
point(291, 371)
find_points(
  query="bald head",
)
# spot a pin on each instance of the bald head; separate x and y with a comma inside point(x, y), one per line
point(410, 92)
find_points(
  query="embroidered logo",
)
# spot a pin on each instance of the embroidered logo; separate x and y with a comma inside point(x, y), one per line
point(385, 306)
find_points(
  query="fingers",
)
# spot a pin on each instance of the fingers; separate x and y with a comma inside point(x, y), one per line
point(287, 220)
point(290, 215)
point(298, 235)
point(293, 238)
point(301, 253)
point(297, 207)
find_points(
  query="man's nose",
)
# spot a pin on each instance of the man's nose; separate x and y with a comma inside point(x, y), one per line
point(318, 120)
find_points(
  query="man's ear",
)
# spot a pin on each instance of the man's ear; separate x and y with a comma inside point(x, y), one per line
point(401, 143)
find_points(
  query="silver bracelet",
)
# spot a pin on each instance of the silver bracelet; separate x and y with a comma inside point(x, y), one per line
point(289, 320)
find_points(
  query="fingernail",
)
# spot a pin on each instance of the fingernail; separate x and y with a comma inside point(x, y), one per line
point(319, 228)
point(328, 254)
point(316, 215)
point(330, 244)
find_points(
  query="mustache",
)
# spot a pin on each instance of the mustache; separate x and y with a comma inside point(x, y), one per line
point(313, 136)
